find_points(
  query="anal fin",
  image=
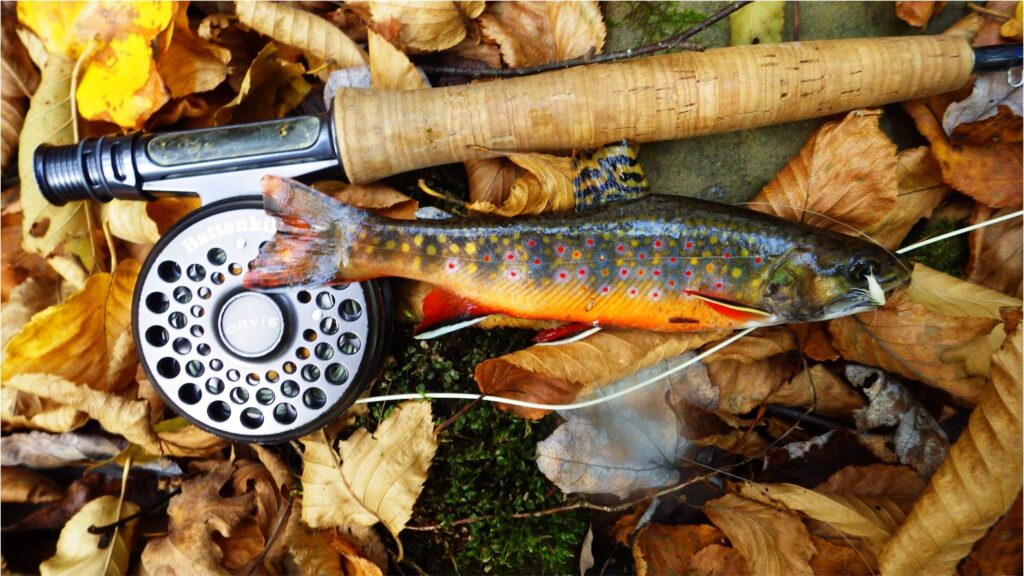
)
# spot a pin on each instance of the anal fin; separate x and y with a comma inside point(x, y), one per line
point(445, 312)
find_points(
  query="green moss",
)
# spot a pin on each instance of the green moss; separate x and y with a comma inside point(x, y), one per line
point(484, 465)
point(657, 20)
point(950, 255)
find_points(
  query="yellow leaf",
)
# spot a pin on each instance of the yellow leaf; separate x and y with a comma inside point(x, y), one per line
point(271, 87)
point(757, 23)
point(389, 67)
point(303, 30)
point(23, 410)
point(121, 84)
point(423, 24)
point(974, 486)
point(532, 33)
point(951, 296)
point(49, 121)
point(773, 541)
point(129, 220)
point(558, 374)
point(129, 418)
point(27, 298)
point(379, 476)
point(191, 64)
point(545, 185)
point(190, 442)
point(79, 552)
point(23, 485)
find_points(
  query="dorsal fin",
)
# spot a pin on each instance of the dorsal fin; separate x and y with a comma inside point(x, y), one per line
point(610, 173)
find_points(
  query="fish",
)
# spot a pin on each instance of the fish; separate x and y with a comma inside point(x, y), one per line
point(640, 260)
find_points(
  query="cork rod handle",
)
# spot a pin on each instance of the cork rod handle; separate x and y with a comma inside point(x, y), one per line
point(380, 133)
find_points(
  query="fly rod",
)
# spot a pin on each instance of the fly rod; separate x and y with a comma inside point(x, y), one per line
point(371, 134)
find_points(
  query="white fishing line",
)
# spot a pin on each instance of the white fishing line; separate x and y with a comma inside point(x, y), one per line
point(922, 243)
point(574, 405)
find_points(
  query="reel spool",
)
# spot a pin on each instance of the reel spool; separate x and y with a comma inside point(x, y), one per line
point(251, 366)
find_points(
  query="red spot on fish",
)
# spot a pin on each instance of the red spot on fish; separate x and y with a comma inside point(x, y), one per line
point(582, 272)
point(671, 282)
point(590, 241)
point(718, 284)
point(487, 258)
point(657, 243)
point(727, 255)
point(654, 295)
point(604, 290)
point(688, 273)
point(632, 291)
point(536, 261)
point(511, 256)
point(562, 275)
point(531, 243)
point(672, 259)
point(642, 256)
point(560, 249)
point(624, 272)
point(451, 266)
point(640, 272)
point(656, 272)
point(757, 259)
point(689, 245)
point(512, 274)
point(620, 247)
point(576, 254)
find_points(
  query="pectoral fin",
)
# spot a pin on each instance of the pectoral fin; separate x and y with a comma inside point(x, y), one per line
point(731, 309)
point(445, 312)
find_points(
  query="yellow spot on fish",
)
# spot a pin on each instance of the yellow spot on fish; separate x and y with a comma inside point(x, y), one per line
point(431, 250)
point(362, 234)
point(713, 240)
point(634, 243)
point(694, 261)
point(368, 248)
point(492, 239)
point(673, 243)
point(454, 248)
point(710, 268)
point(744, 252)
point(418, 240)
point(606, 236)
point(706, 254)
point(471, 268)
point(441, 238)
point(736, 272)
point(470, 248)
point(417, 262)
point(755, 282)
point(404, 247)
point(505, 241)
point(389, 245)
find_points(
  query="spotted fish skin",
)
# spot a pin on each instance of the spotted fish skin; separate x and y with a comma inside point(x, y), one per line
point(657, 262)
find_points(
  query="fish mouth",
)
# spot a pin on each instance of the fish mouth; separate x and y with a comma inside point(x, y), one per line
point(859, 300)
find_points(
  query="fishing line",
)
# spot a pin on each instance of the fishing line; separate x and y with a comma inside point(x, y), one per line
point(560, 407)
point(970, 228)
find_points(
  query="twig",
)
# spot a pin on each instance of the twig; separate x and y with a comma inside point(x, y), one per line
point(982, 10)
point(677, 41)
point(796, 20)
point(282, 517)
point(462, 412)
point(154, 506)
point(801, 415)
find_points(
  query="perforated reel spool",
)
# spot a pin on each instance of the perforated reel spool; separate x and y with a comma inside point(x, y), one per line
point(251, 366)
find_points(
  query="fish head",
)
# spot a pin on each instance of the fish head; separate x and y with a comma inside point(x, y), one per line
point(836, 279)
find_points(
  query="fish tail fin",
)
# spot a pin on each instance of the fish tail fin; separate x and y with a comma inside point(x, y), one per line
point(310, 246)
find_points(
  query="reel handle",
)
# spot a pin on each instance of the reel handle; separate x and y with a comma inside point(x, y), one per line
point(381, 133)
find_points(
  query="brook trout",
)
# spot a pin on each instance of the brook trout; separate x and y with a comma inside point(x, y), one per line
point(665, 263)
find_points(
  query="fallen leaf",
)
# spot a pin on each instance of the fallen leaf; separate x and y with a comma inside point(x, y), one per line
point(196, 515)
point(1013, 27)
point(833, 558)
point(990, 173)
point(17, 265)
point(719, 560)
point(992, 97)
point(189, 441)
point(191, 64)
point(27, 299)
point(1000, 550)
point(532, 33)
point(916, 13)
point(771, 540)
point(622, 446)
point(129, 418)
point(55, 515)
point(665, 549)
point(491, 179)
point(817, 388)
point(952, 296)
point(23, 485)
point(310, 549)
point(270, 89)
point(18, 80)
point(390, 69)
point(558, 374)
point(908, 339)
point(165, 212)
point(308, 32)
point(545, 185)
point(129, 220)
point(379, 476)
point(899, 483)
point(383, 200)
point(749, 370)
point(85, 339)
point(354, 563)
point(757, 23)
point(816, 340)
point(49, 121)
point(994, 259)
point(920, 191)
point(974, 486)
point(846, 172)
point(22, 410)
point(424, 25)
point(43, 451)
point(81, 552)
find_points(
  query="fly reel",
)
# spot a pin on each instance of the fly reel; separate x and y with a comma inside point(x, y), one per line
point(251, 366)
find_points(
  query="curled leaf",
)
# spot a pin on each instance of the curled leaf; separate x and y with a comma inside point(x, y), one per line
point(995, 258)
point(772, 541)
point(129, 220)
point(389, 67)
point(82, 552)
point(191, 64)
point(303, 30)
point(23, 485)
point(545, 185)
point(423, 25)
point(18, 80)
point(532, 33)
point(271, 87)
point(24, 410)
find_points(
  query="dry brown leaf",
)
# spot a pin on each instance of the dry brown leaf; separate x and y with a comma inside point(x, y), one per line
point(1000, 551)
point(191, 64)
point(749, 370)
point(816, 340)
point(491, 179)
point(546, 185)
point(270, 89)
point(166, 212)
point(16, 265)
point(85, 339)
point(921, 190)
point(899, 483)
point(306, 31)
point(18, 80)
point(917, 13)
point(995, 257)
point(771, 540)
point(976, 484)
point(909, 339)
point(952, 296)
point(423, 25)
point(818, 388)
point(664, 549)
point(28, 298)
point(310, 549)
point(846, 170)
point(196, 515)
point(990, 173)
point(992, 113)
point(1005, 127)
point(557, 374)
point(833, 558)
point(383, 200)
point(129, 220)
point(22, 410)
point(190, 441)
point(390, 69)
point(24, 485)
point(82, 552)
point(352, 561)
point(718, 560)
point(129, 418)
point(532, 33)
point(379, 476)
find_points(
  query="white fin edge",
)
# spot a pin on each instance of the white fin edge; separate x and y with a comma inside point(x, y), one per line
point(448, 329)
point(570, 339)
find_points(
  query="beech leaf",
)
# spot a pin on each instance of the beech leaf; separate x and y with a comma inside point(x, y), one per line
point(22, 410)
point(773, 541)
point(270, 89)
point(306, 31)
point(423, 25)
point(81, 552)
point(129, 220)
point(558, 374)
point(379, 476)
point(666, 549)
point(25, 486)
point(85, 339)
point(820, 389)
point(991, 92)
point(951, 296)
point(920, 191)
point(27, 299)
point(191, 64)
point(389, 67)
point(995, 257)
point(974, 486)
point(544, 185)
point(532, 33)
